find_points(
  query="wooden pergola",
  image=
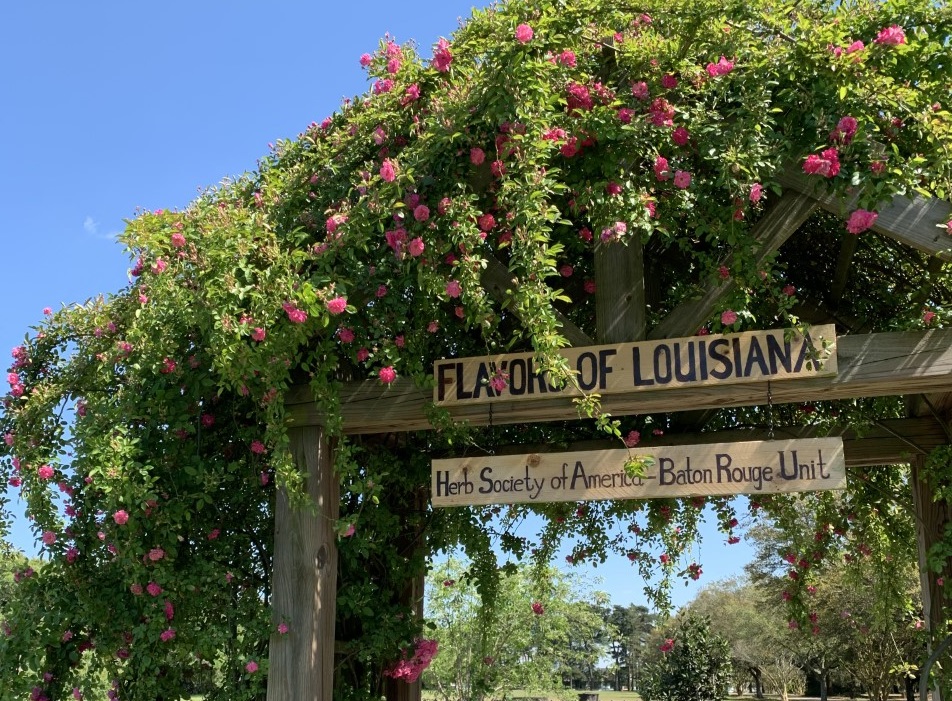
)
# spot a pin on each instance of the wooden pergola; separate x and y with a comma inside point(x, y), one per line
point(916, 365)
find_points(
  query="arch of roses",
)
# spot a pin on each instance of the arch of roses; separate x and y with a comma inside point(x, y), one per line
point(228, 460)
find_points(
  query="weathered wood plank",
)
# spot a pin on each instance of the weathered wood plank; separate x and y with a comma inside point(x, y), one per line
point(304, 590)
point(913, 221)
point(869, 365)
point(497, 281)
point(713, 469)
point(620, 292)
point(777, 224)
point(889, 442)
point(719, 359)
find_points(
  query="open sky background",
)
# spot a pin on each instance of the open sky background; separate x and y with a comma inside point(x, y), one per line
point(109, 107)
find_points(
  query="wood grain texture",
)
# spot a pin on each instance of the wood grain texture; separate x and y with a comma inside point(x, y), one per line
point(305, 577)
point(717, 359)
point(888, 442)
point(754, 467)
point(870, 365)
point(913, 221)
point(620, 292)
point(778, 223)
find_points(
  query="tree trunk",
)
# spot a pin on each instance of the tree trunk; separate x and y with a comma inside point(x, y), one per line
point(823, 685)
point(305, 577)
point(758, 683)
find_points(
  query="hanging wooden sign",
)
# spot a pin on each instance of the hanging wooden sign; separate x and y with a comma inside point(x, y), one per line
point(754, 467)
point(752, 356)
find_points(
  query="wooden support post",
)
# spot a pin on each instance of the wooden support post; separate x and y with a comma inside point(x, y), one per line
point(305, 577)
point(931, 521)
point(620, 292)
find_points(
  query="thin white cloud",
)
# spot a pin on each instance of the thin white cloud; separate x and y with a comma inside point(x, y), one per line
point(90, 226)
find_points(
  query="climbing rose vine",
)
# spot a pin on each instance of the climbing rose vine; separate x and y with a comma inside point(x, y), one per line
point(145, 430)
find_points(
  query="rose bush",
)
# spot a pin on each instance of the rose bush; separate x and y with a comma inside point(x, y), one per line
point(152, 420)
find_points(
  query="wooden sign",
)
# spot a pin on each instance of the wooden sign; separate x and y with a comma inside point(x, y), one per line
point(754, 467)
point(752, 356)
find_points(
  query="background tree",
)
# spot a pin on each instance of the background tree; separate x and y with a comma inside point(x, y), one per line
point(692, 663)
point(536, 637)
point(632, 626)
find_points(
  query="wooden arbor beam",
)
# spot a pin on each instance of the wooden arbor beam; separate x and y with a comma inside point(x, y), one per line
point(870, 365)
point(778, 224)
point(888, 442)
point(917, 222)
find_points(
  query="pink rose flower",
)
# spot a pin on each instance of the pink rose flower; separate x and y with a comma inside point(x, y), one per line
point(524, 33)
point(756, 192)
point(167, 634)
point(258, 448)
point(387, 172)
point(682, 179)
point(827, 163)
point(421, 212)
point(632, 439)
point(640, 90)
point(346, 335)
point(258, 334)
point(251, 667)
point(153, 588)
point(537, 608)
point(729, 317)
point(861, 220)
point(680, 136)
point(477, 156)
point(442, 56)
point(295, 315)
point(453, 289)
point(120, 517)
point(49, 537)
point(337, 305)
point(283, 628)
point(722, 67)
point(365, 60)
point(387, 374)
point(892, 35)
point(661, 168)
point(46, 472)
point(178, 240)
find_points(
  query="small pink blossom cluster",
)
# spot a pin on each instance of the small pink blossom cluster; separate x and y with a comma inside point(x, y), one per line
point(410, 670)
point(845, 130)
point(295, 314)
point(537, 608)
point(442, 56)
point(892, 35)
point(827, 163)
point(667, 646)
point(860, 221)
point(722, 67)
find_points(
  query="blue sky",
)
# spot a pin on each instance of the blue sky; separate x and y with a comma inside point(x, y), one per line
point(113, 106)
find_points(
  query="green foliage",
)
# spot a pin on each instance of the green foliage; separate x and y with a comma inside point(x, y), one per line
point(534, 637)
point(355, 252)
point(692, 664)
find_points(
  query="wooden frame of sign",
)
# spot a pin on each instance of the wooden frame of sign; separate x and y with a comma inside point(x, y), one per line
point(752, 467)
point(623, 368)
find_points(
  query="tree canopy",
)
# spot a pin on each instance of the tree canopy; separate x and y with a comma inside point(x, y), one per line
point(146, 429)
